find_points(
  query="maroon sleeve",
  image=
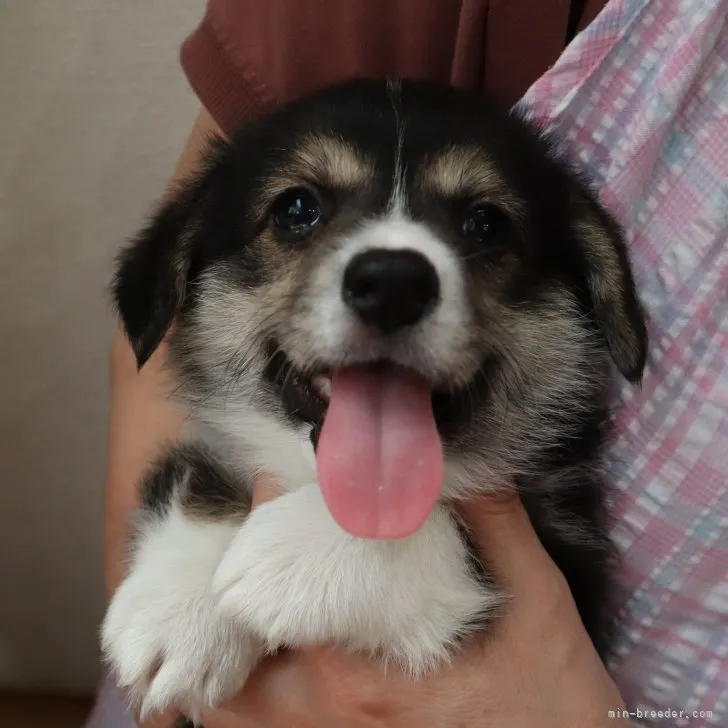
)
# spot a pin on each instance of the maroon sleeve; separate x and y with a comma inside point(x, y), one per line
point(250, 55)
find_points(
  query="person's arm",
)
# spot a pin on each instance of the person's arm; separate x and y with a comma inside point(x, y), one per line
point(142, 420)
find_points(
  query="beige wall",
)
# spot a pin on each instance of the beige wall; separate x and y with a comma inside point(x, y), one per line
point(93, 112)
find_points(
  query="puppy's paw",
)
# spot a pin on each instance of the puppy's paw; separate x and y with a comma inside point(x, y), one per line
point(281, 575)
point(170, 649)
point(163, 635)
point(295, 578)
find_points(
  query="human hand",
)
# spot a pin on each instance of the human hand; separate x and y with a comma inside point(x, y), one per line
point(536, 666)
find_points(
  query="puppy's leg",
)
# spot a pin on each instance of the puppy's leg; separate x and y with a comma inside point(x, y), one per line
point(163, 636)
point(294, 577)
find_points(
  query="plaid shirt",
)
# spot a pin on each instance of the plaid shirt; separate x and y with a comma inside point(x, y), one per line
point(642, 96)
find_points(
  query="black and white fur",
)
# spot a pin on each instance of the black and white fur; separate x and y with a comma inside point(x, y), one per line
point(535, 295)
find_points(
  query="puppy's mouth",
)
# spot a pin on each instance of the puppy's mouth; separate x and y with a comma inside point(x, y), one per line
point(377, 429)
point(305, 397)
point(321, 386)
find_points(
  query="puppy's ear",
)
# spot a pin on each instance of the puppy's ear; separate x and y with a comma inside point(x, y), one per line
point(152, 272)
point(610, 285)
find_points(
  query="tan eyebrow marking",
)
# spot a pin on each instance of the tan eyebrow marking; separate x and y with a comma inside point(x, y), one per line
point(320, 159)
point(331, 160)
point(468, 172)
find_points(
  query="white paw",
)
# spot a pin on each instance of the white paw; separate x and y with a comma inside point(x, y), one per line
point(170, 650)
point(162, 634)
point(295, 578)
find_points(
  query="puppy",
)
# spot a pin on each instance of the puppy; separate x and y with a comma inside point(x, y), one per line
point(390, 295)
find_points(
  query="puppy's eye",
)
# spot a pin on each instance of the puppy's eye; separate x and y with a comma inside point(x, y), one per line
point(296, 212)
point(485, 224)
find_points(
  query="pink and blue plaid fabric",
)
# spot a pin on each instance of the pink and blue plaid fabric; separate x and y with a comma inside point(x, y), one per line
point(642, 97)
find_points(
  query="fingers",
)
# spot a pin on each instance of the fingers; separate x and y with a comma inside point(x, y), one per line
point(320, 686)
point(505, 539)
point(277, 694)
point(265, 489)
point(168, 719)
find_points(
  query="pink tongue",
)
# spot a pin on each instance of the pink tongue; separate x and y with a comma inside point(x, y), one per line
point(379, 455)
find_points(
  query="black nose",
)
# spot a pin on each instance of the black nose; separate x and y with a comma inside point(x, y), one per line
point(390, 289)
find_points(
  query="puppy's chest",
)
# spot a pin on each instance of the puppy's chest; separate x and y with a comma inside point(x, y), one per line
point(258, 443)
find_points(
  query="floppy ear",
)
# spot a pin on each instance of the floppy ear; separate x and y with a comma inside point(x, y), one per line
point(152, 272)
point(610, 285)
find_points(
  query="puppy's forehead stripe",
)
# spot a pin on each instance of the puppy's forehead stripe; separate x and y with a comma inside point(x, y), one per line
point(398, 197)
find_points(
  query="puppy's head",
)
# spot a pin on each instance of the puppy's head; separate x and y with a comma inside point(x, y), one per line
point(397, 244)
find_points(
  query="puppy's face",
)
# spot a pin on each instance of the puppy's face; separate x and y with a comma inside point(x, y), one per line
point(399, 226)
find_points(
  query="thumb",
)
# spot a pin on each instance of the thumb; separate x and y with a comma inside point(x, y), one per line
point(265, 488)
point(503, 535)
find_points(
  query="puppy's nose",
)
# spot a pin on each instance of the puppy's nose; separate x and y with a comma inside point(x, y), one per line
point(390, 289)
